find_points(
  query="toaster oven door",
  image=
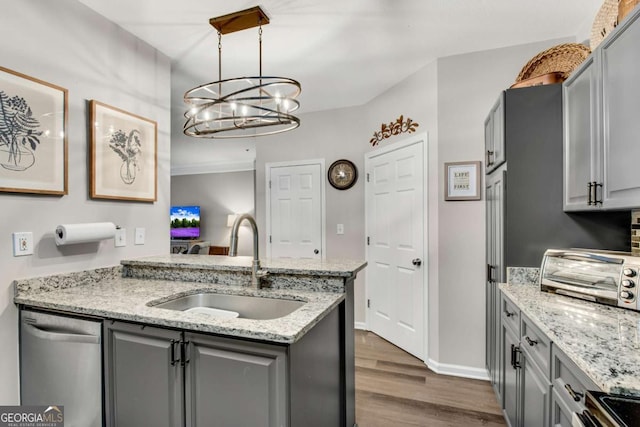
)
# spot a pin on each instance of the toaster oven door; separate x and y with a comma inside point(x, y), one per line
point(584, 275)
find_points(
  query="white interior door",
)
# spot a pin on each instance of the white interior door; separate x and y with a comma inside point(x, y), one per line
point(394, 193)
point(296, 205)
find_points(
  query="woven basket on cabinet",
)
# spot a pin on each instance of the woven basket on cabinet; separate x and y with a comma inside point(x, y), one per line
point(605, 21)
point(563, 58)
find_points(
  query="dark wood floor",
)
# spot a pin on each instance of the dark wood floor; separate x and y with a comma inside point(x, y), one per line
point(395, 389)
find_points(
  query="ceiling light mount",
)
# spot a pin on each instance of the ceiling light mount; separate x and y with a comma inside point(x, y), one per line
point(243, 106)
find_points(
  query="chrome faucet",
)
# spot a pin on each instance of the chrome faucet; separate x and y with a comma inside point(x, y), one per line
point(256, 273)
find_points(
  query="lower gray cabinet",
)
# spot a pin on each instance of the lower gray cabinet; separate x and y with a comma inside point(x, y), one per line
point(526, 387)
point(143, 378)
point(153, 375)
point(536, 391)
point(511, 377)
point(234, 383)
point(569, 387)
point(161, 377)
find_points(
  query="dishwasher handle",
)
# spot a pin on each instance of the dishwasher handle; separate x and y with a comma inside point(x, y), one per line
point(66, 336)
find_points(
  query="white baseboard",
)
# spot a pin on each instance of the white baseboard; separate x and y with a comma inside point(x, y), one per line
point(360, 325)
point(457, 370)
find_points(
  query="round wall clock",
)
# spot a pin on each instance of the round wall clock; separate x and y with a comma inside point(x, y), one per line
point(342, 174)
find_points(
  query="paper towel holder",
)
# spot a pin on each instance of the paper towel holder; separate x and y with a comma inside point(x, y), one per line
point(60, 234)
point(70, 234)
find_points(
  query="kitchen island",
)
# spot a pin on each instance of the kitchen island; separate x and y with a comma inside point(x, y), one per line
point(293, 357)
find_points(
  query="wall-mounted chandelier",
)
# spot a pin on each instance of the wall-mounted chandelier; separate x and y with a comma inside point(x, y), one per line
point(243, 106)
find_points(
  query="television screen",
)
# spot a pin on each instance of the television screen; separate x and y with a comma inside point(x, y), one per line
point(185, 222)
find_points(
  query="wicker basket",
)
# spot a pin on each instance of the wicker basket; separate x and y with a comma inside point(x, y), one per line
point(626, 6)
point(563, 58)
point(605, 21)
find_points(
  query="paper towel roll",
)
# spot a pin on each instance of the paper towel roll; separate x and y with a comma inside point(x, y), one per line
point(68, 234)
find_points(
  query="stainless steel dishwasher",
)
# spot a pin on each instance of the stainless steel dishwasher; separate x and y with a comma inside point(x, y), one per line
point(61, 364)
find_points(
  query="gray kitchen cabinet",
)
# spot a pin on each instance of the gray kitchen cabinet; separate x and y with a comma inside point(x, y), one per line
point(620, 58)
point(581, 134)
point(536, 392)
point(165, 377)
point(495, 274)
point(527, 389)
point(569, 387)
point(233, 383)
point(510, 375)
point(494, 138)
point(602, 98)
point(143, 379)
point(154, 374)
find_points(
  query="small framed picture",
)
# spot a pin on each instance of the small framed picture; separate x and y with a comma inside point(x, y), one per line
point(124, 158)
point(462, 181)
point(33, 135)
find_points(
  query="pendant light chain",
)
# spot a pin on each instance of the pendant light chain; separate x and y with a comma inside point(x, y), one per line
point(260, 46)
point(219, 55)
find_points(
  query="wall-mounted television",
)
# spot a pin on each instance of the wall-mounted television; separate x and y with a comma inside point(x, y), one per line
point(185, 222)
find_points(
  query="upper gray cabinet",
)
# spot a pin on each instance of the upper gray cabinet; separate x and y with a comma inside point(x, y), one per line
point(621, 104)
point(601, 128)
point(494, 136)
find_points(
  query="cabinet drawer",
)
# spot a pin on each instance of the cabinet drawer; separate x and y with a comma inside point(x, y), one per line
point(510, 314)
point(569, 382)
point(536, 344)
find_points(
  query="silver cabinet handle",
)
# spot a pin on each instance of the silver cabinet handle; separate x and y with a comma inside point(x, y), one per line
point(51, 335)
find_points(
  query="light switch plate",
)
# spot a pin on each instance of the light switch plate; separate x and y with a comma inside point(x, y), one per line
point(121, 237)
point(139, 236)
point(22, 243)
point(340, 229)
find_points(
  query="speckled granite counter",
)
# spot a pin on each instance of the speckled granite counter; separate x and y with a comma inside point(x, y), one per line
point(603, 341)
point(125, 293)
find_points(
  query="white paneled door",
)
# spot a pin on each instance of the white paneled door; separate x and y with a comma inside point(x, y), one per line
point(395, 209)
point(295, 211)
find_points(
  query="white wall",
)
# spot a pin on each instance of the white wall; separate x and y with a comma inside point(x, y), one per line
point(468, 85)
point(330, 135)
point(67, 44)
point(219, 195)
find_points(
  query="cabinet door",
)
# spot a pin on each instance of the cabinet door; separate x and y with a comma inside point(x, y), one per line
point(494, 136)
point(534, 410)
point(495, 275)
point(143, 379)
point(235, 384)
point(511, 378)
point(621, 104)
point(581, 135)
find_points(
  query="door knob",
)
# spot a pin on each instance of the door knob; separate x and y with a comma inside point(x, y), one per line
point(315, 251)
point(417, 262)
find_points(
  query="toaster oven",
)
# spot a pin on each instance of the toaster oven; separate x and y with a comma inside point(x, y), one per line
point(600, 276)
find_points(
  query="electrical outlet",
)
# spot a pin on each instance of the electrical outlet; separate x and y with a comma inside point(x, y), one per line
point(121, 237)
point(23, 243)
point(139, 236)
point(340, 229)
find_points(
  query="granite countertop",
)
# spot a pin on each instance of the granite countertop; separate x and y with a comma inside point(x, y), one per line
point(314, 267)
point(125, 292)
point(128, 299)
point(603, 341)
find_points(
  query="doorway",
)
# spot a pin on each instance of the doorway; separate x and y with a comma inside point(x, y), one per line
point(295, 214)
point(395, 207)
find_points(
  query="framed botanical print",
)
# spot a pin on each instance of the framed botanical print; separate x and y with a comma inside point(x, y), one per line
point(33, 135)
point(124, 159)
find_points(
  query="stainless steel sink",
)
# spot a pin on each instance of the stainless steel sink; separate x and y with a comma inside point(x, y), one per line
point(248, 307)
